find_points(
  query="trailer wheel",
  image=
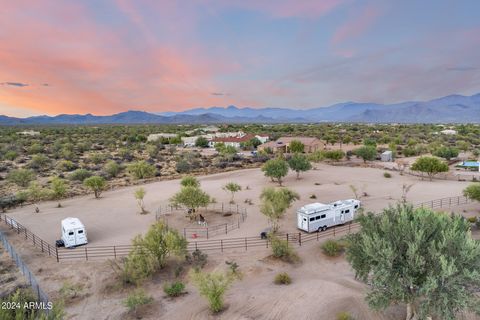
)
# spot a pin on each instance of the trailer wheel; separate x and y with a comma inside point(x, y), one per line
point(324, 228)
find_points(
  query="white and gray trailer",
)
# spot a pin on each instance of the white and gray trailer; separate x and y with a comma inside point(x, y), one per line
point(73, 233)
point(319, 216)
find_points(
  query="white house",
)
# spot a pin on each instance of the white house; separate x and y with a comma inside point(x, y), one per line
point(449, 131)
point(156, 136)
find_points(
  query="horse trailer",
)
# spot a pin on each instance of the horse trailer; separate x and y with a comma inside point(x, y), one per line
point(319, 216)
point(73, 233)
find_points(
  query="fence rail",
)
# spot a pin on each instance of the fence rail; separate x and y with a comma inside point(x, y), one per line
point(239, 216)
point(219, 245)
point(32, 281)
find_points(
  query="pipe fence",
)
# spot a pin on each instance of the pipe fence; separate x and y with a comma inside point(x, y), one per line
point(219, 245)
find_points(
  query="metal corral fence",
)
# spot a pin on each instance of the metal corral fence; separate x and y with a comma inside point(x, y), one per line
point(29, 236)
point(41, 295)
point(239, 215)
point(219, 245)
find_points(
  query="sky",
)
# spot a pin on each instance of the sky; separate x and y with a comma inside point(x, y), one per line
point(109, 56)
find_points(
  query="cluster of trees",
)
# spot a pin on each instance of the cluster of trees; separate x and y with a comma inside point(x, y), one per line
point(191, 196)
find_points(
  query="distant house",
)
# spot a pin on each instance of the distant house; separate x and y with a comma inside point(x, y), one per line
point(156, 136)
point(232, 141)
point(29, 133)
point(210, 129)
point(387, 156)
point(283, 144)
point(449, 131)
point(263, 138)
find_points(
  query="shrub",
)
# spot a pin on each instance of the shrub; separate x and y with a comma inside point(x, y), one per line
point(212, 286)
point(21, 177)
point(197, 259)
point(332, 248)
point(344, 316)
point(472, 219)
point(70, 290)
point(387, 175)
point(136, 299)
point(79, 175)
point(282, 250)
point(65, 165)
point(174, 289)
point(96, 158)
point(112, 168)
point(10, 155)
point(96, 184)
point(183, 166)
point(39, 161)
point(282, 278)
point(142, 170)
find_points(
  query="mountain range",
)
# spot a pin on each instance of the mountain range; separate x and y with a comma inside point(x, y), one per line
point(449, 109)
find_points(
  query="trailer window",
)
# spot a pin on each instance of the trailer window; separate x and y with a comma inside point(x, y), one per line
point(356, 206)
point(304, 219)
point(317, 218)
point(80, 231)
point(347, 211)
point(313, 218)
point(70, 233)
point(323, 216)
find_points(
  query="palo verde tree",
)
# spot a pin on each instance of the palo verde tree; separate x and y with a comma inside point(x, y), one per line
point(190, 181)
point(58, 189)
point(191, 196)
point(275, 203)
point(425, 259)
point(429, 165)
point(472, 191)
point(141, 170)
point(139, 194)
point(212, 286)
point(21, 177)
point(232, 187)
point(299, 163)
point(96, 183)
point(275, 169)
point(367, 153)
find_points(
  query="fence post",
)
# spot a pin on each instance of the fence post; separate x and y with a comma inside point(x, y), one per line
point(221, 244)
point(114, 252)
point(25, 233)
point(318, 233)
point(41, 244)
point(33, 239)
point(184, 233)
point(207, 232)
point(56, 252)
point(287, 237)
point(86, 255)
point(222, 207)
point(38, 293)
point(237, 208)
point(299, 239)
point(238, 223)
point(196, 246)
point(245, 244)
point(458, 200)
point(226, 229)
point(334, 227)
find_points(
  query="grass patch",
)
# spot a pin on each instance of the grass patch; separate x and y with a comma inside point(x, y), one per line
point(282, 278)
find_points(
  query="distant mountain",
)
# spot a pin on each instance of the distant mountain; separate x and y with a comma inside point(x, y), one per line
point(449, 109)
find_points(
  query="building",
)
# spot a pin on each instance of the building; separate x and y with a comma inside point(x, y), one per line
point(449, 131)
point(263, 138)
point(387, 156)
point(232, 141)
point(283, 144)
point(157, 136)
point(29, 133)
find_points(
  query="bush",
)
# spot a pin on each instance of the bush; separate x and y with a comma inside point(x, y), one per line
point(79, 175)
point(112, 168)
point(344, 316)
point(282, 278)
point(197, 259)
point(212, 286)
point(21, 177)
point(472, 219)
point(10, 155)
point(96, 184)
point(136, 299)
point(174, 290)
point(70, 290)
point(332, 248)
point(282, 250)
point(387, 175)
point(65, 165)
point(142, 170)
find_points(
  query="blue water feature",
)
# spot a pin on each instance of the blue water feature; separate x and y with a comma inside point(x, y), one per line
point(470, 163)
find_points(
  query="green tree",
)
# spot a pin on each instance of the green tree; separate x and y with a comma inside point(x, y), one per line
point(299, 163)
point(446, 152)
point(36, 193)
point(472, 191)
point(296, 146)
point(21, 177)
point(419, 257)
point(139, 194)
point(212, 286)
point(232, 187)
point(201, 142)
point(275, 169)
point(142, 170)
point(96, 183)
point(192, 198)
point(58, 189)
point(190, 181)
point(429, 165)
point(367, 153)
point(275, 203)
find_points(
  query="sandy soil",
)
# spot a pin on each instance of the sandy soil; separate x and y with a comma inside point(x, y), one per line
point(114, 219)
point(321, 286)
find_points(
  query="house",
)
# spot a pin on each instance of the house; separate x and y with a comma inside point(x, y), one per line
point(449, 131)
point(232, 141)
point(157, 136)
point(283, 144)
point(263, 138)
point(29, 133)
point(387, 156)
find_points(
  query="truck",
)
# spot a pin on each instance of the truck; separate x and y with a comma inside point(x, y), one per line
point(319, 216)
point(73, 233)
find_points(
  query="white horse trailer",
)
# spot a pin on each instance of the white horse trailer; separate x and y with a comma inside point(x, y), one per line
point(319, 216)
point(73, 232)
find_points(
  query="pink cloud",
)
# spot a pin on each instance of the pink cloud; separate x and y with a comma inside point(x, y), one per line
point(357, 26)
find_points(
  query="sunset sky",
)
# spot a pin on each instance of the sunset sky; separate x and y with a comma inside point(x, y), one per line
point(108, 56)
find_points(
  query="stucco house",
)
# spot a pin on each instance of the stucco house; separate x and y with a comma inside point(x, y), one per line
point(283, 144)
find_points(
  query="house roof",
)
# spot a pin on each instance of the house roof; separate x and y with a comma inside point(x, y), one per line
point(244, 138)
point(307, 141)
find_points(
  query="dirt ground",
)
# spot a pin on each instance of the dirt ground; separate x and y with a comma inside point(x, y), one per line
point(321, 286)
point(114, 219)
